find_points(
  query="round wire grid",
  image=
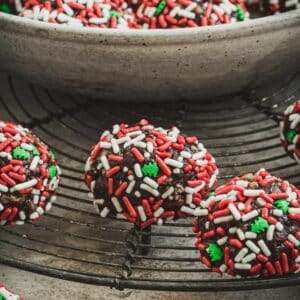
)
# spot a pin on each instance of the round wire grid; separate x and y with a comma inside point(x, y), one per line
point(73, 243)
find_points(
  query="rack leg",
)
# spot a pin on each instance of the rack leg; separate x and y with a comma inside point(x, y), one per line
point(144, 239)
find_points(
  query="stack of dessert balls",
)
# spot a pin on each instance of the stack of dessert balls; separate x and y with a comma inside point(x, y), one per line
point(148, 175)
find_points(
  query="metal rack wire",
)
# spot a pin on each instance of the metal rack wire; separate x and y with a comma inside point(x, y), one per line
point(71, 242)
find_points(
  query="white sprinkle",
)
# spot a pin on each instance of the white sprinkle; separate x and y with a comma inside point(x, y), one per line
point(261, 202)
point(26, 146)
point(252, 214)
point(34, 163)
point(115, 146)
point(222, 240)
point(19, 223)
point(116, 129)
point(93, 184)
point(242, 266)
point(201, 162)
point(150, 147)
point(123, 139)
point(159, 221)
point(105, 162)
point(236, 214)
point(89, 3)
point(19, 8)
point(212, 180)
point(138, 133)
point(1, 207)
point(252, 246)
point(188, 210)
point(33, 215)
point(137, 194)
point(68, 10)
point(53, 185)
point(279, 226)
point(167, 193)
point(36, 199)
point(149, 189)
point(241, 206)
point(141, 145)
point(223, 268)
point(36, 12)
point(293, 210)
point(130, 187)
point(186, 154)
point(250, 235)
point(105, 145)
point(270, 232)
point(207, 223)
point(158, 212)
point(294, 240)
point(173, 163)
point(98, 202)
point(53, 199)
point(252, 193)
point(87, 166)
point(242, 183)
point(116, 204)
point(264, 247)
point(48, 206)
point(105, 211)
point(189, 190)
point(3, 188)
point(142, 213)
point(186, 14)
point(151, 182)
point(188, 198)
point(24, 185)
point(277, 212)
point(22, 215)
point(240, 234)
point(248, 258)
point(198, 155)
point(40, 210)
point(223, 219)
point(137, 170)
point(200, 212)
point(241, 254)
point(233, 230)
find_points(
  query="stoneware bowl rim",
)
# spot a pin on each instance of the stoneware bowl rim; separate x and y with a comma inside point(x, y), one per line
point(147, 37)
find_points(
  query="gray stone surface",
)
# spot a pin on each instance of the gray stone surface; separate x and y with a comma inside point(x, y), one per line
point(37, 287)
point(152, 65)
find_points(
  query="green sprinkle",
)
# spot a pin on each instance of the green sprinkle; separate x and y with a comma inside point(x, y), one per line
point(211, 194)
point(259, 225)
point(52, 154)
point(282, 204)
point(290, 135)
point(240, 12)
point(20, 153)
point(160, 7)
point(6, 9)
point(150, 169)
point(1, 297)
point(215, 252)
point(35, 150)
point(249, 178)
point(114, 13)
point(52, 171)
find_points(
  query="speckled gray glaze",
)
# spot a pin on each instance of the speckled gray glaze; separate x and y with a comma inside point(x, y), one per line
point(152, 65)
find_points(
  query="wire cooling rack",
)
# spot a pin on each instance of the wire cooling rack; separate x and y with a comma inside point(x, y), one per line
point(73, 243)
